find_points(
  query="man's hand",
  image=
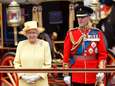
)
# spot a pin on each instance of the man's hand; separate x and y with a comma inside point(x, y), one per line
point(66, 66)
point(100, 77)
point(67, 80)
point(102, 64)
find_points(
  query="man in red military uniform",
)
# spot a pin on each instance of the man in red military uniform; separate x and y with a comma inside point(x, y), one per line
point(84, 47)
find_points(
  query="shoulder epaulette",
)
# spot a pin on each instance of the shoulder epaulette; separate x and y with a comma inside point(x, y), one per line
point(71, 29)
point(96, 29)
point(73, 40)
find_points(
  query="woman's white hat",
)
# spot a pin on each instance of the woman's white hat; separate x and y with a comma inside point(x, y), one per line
point(29, 25)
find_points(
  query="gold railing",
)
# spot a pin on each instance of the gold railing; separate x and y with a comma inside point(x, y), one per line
point(58, 70)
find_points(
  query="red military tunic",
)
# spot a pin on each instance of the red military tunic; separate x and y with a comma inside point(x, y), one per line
point(95, 48)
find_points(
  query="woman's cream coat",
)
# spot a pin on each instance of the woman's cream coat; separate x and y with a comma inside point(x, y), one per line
point(33, 56)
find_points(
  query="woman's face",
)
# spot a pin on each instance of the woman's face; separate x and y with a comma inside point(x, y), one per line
point(32, 35)
point(83, 21)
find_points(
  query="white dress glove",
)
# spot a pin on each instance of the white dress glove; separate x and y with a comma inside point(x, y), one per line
point(25, 77)
point(67, 80)
point(34, 78)
point(31, 79)
point(100, 77)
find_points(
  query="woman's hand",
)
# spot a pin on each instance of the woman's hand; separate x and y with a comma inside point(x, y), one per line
point(34, 78)
point(25, 77)
point(31, 79)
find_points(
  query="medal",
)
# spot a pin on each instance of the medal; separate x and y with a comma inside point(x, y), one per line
point(96, 36)
point(93, 44)
point(90, 50)
point(96, 50)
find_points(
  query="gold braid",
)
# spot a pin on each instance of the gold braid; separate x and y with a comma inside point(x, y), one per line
point(75, 44)
point(72, 38)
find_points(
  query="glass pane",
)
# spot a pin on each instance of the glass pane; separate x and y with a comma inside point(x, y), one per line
point(1, 40)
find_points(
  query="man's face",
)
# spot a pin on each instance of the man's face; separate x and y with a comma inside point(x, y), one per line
point(83, 21)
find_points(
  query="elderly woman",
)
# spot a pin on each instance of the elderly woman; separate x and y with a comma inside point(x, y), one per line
point(32, 53)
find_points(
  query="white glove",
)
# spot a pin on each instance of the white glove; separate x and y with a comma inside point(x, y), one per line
point(67, 80)
point(34, 78)
point(25, 77)
point(100, 77)
point(31, 79)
